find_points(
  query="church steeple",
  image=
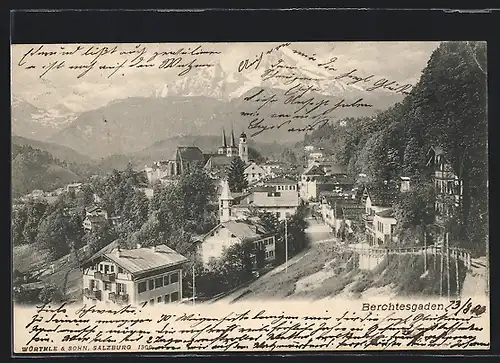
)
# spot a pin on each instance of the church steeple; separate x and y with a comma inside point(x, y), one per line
point(224, 142)
point(233, 142)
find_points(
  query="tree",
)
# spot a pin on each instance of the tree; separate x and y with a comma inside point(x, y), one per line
point(35, 212)
point(85, 197)
point(50, 293)
point(236, 177)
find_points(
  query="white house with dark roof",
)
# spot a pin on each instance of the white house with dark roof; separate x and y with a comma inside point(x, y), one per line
point(254, 172)
point(133, 276)
point(226, 234)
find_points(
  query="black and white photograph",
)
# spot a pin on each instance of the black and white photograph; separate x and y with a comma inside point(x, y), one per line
point(162, 175)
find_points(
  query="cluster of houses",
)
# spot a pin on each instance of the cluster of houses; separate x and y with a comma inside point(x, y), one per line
point(154, 274)
point(372, 206)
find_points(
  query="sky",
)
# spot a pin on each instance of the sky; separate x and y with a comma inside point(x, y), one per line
point(60, 88)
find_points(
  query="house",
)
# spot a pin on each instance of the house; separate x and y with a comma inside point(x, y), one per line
point(94, 222)
point(283, 185)
point(74, 187)
point(384, 224)
point(319, 178)
point(133, 276)
point(308, 189)
point(447, 184)
point(211, 246)
point(379, 198)
point(267, 199)
point(314, 157)
point(279, 197)
point(254, 173)
point(96, 211)
point(338, 208)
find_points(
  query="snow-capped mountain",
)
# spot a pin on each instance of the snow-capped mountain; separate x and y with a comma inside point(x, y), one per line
point(38, 123)
point(226, 85)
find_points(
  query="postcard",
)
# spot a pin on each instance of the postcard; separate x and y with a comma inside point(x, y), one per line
point(289, 196)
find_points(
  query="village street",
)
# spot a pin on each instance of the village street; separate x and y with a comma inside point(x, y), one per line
point(279, 281)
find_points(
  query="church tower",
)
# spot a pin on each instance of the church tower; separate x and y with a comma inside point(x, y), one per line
point(243, 148)
point(222, 149)
point(232, 149)
point(225, 200)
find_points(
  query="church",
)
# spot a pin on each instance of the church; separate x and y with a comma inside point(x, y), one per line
point(186, 156)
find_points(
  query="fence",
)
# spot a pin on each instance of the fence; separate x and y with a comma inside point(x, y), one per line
point(457, 253)
point(368, 258)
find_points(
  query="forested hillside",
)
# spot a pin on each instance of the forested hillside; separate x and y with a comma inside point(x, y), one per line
point(446, 108)
point(37, 169)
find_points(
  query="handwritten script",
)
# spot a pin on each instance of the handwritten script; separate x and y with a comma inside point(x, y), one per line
point(114, 60)
point(310, 98)
point(388, 325)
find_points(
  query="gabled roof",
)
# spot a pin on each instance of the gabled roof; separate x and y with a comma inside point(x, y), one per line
point(93, 209)
point(314, 170)
point(189, 154)
point(242, 229)
point(145, 259)
point(382, 195)
point(332, 168)
point(254, 168)
point(140, 260)
point(218, 160)
point(386, 213)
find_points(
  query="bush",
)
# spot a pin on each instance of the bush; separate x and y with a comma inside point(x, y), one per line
point(49, 294)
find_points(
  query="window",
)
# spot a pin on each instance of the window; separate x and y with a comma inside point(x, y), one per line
point(158, 282)
point(174, 296)
point(120, 270)
point(158, 299)
point(91, 284)
point(107, 286)
point(151, 284)
point(120, 288)
point(106, 269)
point(166, 300)
point(271, 253)
point(174, 278)
point(166, 280)
point(142, 287)
point(112, 269)
point(100, 267)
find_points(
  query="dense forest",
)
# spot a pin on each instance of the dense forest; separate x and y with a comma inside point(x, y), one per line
point(446, 108)
point(33, 168)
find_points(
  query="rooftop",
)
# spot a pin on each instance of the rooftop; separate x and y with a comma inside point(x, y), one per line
point(189, 153)
point(245, 229)
point(386, 213)
point(314, 170)
point(281, 181)
point(382, 195)
point(142, 259)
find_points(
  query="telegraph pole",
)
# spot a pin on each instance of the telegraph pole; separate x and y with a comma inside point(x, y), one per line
point(286, 245)
point(194, 286)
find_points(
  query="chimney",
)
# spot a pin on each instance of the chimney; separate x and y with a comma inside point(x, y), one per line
point(138, 246)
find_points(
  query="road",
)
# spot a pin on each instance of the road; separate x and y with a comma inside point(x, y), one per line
point(318, 234)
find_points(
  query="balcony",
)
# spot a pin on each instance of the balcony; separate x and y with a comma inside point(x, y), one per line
point(104, 277)
point(119, 298)
point(91, 294)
